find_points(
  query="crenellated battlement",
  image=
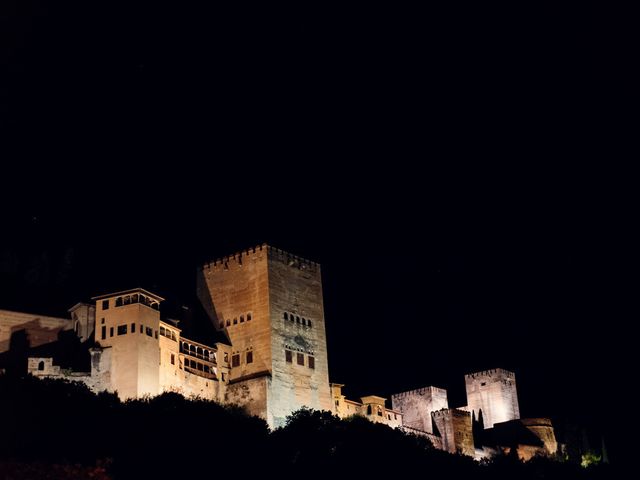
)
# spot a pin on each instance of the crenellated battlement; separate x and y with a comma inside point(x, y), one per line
point(236, 260)
point(495, 372)
point(454, 412)
point(420, 391)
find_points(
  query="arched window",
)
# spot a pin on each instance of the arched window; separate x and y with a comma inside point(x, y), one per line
point(241, 318)
point(308, 323)
point(228, 322)
point(369, 411)
point(41, 365)
point(297, 319)
point(134, 298)
point(248, 317)
point(304, 321)
point(286, 316)
point(162, 331)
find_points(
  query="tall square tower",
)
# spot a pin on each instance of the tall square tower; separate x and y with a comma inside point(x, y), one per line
point(492, 396)
point(269, 304)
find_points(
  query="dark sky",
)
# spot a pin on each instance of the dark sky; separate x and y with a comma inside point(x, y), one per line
point(436, 162)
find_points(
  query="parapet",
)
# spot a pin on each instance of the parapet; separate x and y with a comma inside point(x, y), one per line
point(421, 391)
point(454, 412)
point(496, 372)
point(236, 260)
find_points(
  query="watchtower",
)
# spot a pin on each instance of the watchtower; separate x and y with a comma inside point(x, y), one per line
point(492, 396)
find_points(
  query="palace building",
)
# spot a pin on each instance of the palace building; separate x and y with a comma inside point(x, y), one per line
point(267, 353)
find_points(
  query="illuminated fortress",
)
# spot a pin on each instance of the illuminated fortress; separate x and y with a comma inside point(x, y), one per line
point(269, 356)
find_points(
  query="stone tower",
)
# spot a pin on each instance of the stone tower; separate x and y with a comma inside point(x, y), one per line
point(455, 430)
point(269, 304)
point(417, 405)
point(492, 396)
point(127, 324)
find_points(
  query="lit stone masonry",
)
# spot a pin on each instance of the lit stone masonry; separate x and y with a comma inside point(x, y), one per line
point(418, 404)
point(268, 306)
point(492, 396)
point(269, 302)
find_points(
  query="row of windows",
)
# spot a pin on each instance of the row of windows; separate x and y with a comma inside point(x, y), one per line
point(199, 352)
point(122, 330)
point(235, 358)
point(297, 319)
point(197, 366)
point(129, 299)
point(311, 361)
point(165, 332)
point(228, 322)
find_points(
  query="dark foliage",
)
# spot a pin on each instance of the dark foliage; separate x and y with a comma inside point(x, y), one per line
point(57, 429)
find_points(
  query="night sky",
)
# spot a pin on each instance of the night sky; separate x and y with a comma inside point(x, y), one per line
point(433, 161)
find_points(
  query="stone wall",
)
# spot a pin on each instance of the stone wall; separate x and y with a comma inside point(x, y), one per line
point(455, 429)
point(295, 288)
point(417, 405)
point(30, 330)
point(492, 392)
point(251, 394)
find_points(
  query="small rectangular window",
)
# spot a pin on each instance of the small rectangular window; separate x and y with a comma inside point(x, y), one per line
point(173, 359)
point(241, 318)
point(105, 304)
point(156, 334)
point(288, 355)
point(235, 321)
point(149, 331)
point(141, 328)
point(122, 329)
point(133, 328)
point(228, 322)
point(111, 331)
point(223, 377)
point(102, 322)
point(312, 362)
point(104, 332)
point(249, 357)
point(235, 360)
point(300, 358)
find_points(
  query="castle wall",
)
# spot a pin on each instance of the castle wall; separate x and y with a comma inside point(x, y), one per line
point(35, 329)
point(493, 392)
point(543, 429)
point(295, 288)
point(417, 405)
point(232, 290)
point(455, 428)
point(252, 394)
